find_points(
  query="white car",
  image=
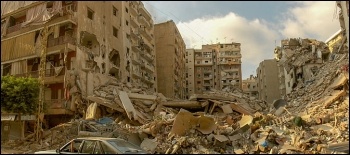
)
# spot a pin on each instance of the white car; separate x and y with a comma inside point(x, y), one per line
point(96, 145)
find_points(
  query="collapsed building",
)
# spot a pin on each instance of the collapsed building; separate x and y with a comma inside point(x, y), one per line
point(86, 38)
point(314, 119)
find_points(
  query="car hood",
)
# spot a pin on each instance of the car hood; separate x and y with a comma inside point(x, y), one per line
point(46, 152)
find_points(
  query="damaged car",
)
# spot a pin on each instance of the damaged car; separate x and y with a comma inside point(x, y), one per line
point(96, 145)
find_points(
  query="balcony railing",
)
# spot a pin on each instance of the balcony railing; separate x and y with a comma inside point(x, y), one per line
point(56, 104)
point(60, 41)
point(66, 10)
point(35, 74)
point(14, 28)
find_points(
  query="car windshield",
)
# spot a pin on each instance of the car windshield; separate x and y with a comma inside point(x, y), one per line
point(124, 146)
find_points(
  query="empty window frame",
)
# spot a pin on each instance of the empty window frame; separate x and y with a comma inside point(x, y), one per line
point(115, 11)
point(90, 13)
point(115, 32)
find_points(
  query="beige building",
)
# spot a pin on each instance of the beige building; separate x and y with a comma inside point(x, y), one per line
point(189, 72)
point(112, 38)
point(170, 57)
point(344, 17)
point(215, 66)
point(250, 86)
point(267, 76)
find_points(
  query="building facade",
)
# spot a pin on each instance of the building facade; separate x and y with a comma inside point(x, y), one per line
point(267, 76)
point(86, 38)
point(250, 86)
point(344, 17)
point(170, 49)
point(215, 66)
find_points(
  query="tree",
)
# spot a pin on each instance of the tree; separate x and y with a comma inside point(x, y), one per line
point(19, 94)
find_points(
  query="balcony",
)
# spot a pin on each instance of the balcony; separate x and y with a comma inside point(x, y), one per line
point(230, 62)
point(60, 43)
point(143, 21)
point(145, 13)
point(66, 18)
point(149, 67)
point(207, 77)
point(207, 84)
point(134, 34)
point(230, 69)
point(14, 28)
point(134, 22)
point(147, 56)
point(58, 106)
point(136, 73)
point(133, 9)
point(136, 59)
point(50, 75)
point(231, 55)
point(204, 64)
point(135, 47)
point(146, 34)
point(148, 79)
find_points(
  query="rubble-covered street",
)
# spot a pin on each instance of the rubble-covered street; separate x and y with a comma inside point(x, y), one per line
point(313, 119)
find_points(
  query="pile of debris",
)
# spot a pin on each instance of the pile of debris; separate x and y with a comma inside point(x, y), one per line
point(312, 118)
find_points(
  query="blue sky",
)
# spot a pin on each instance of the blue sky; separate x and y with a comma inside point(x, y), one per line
point(257, 25)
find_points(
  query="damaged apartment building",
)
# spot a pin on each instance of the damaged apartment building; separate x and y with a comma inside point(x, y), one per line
point(170, 52)
point(299, 61)
point(109, 38)
point(215, 66)
point(250, 86)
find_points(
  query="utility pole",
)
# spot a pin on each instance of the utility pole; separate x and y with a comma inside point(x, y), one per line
point(44, 35)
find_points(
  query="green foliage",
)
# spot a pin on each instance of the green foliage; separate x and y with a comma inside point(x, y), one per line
point(298, 121)
point(19, 94)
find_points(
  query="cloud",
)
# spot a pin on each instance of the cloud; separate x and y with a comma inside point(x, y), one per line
point(316, 19)
point(256, 37)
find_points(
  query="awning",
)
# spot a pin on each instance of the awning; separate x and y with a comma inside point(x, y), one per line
point(8, 117)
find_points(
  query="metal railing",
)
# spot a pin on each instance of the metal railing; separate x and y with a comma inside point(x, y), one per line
point(60, 41)
point(56, 104)
point(35, 74)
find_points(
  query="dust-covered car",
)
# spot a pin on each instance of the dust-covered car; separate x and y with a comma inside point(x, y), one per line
point(97, 145)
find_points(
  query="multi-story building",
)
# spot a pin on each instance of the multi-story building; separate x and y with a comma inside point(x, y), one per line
point(267, 76)
point(215, 66)
point(170, 57)
point(88, 38)
point(190, 89)
point(250, 86)
point(229, 65)
point(344, 17)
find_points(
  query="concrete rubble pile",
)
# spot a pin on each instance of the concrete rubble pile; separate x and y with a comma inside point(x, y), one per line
point(312, 119)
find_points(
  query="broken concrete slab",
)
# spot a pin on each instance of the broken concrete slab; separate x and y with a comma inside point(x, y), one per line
point(240, 109)
point(328, 100)
point(105, 102)
point(149, 145)
point(142, 96)
point(127, 105)
point(227, 109)
point(182, 104)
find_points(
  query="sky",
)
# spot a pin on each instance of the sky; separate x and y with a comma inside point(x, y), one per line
point(258, 25)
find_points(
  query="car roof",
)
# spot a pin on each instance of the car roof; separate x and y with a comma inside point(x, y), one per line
point(98, 138)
